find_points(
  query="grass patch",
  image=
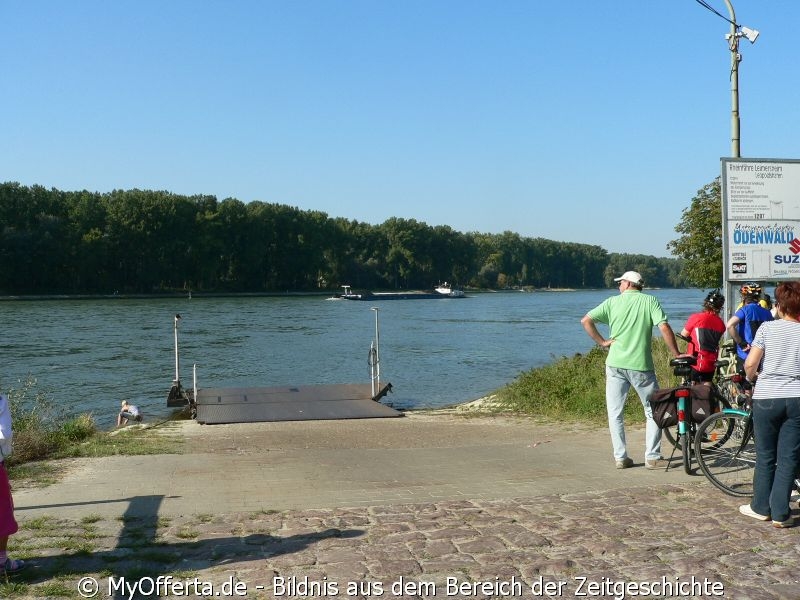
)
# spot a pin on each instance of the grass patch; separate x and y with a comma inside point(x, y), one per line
point(42, 524)
point(135, 538)
point(40, 427)
point(131, 441)
point(187, 533)
point(39, 474)
point(89, 519)
point(78, 546)
point(43, 432)
point(13, 589)
point(58, 589)
point(574, 388)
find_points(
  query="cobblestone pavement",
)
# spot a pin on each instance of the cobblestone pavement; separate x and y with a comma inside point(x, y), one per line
point(586, 544)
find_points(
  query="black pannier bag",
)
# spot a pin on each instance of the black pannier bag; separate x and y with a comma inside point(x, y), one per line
point(705, 402)
point(664, 404)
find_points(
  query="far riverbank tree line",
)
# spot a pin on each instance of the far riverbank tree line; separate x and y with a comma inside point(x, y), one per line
point(140, 241)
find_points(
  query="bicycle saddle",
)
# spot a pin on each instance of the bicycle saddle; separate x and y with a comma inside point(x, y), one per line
point(683, 361)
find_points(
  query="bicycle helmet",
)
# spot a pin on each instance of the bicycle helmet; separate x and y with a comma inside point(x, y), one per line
point(714, 300)
point(751, 289)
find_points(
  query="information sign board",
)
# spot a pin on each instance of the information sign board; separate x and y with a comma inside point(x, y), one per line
point(760, 219)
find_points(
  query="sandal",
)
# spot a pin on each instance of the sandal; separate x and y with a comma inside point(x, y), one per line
point(13, 566)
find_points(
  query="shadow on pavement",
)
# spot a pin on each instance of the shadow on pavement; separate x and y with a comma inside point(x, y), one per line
point(139, 553)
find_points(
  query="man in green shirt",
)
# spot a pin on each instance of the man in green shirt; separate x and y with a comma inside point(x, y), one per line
point(631, 317)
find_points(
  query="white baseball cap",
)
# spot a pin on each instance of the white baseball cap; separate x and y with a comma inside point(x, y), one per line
point(632, 276)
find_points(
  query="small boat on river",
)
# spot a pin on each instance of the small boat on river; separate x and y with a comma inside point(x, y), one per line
point(347, 294)
point(441, 291)
point(448, 291)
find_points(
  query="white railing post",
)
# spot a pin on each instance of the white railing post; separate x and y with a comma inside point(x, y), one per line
point(177, 363)
point(376, 376)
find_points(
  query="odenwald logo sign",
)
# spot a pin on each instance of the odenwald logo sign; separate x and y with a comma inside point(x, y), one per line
point(759, 235)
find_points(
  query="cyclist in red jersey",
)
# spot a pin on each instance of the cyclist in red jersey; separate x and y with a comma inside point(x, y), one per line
point(705, 329)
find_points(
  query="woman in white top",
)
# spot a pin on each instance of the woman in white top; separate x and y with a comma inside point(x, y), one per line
point(775, 359)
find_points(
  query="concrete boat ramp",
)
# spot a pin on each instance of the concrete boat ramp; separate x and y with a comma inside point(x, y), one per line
point(253, 404)
point(292, 403)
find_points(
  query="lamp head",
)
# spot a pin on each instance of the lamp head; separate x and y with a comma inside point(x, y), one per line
point(750, 34)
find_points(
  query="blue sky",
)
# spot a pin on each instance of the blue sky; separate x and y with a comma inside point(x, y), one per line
point(592, 122)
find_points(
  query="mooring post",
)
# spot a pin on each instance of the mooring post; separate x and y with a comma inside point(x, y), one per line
point(177, 364)
point(372, 367)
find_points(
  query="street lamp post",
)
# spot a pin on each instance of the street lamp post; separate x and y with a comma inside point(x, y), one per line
point(736, 33)
point(733, 38)
point(733, 42)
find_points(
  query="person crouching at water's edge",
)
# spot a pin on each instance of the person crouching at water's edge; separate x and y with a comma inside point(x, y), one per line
point(126, 412)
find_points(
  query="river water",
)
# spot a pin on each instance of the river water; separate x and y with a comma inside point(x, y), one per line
point(89, 354)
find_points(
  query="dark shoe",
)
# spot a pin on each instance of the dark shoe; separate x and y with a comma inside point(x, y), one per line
point(790, 522)
point(624, 463)
point(13, 566)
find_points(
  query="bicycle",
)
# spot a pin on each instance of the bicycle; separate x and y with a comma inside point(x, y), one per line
point(730, 383)
point(724, 442)
point(681, 427)
point(672, 434)
point(725, 449)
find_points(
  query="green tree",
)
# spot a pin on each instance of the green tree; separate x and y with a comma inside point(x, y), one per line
point(361, 253)
point(488, 260)
point(88, 252)
point(407, 258)
point(34, 240)
point(151, 241)
point(206, 250)
point(700, 241)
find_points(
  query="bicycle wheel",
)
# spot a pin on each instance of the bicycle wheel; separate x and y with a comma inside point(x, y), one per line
point(713, 437)
point(686, 450)
point(726, 452)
